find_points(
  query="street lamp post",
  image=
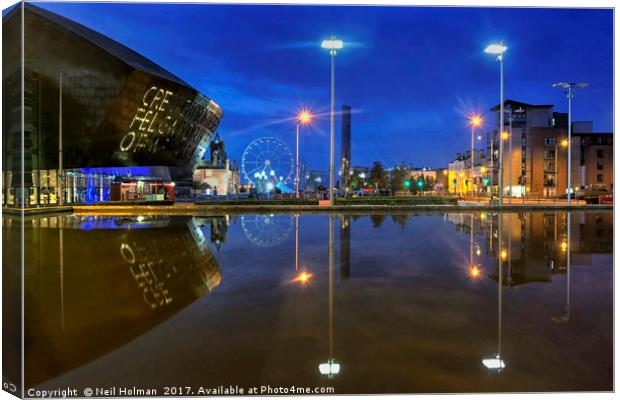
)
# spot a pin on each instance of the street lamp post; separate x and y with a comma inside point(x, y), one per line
point(499, 50)
point(303, 118)
point(564, 143)
point(474, 121)
point(510, 156)
point(332, 45)
point(60, 156)
point(570, 92)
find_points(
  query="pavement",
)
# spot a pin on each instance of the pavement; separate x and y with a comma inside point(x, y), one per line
point(215, 209)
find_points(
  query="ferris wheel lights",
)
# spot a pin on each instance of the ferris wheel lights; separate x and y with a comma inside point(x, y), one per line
point(267, 160)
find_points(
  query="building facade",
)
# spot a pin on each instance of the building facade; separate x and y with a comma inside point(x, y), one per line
point(595, 161)
point(95, 113)
point(535, 153)
point(216, 176)
point(460, 178)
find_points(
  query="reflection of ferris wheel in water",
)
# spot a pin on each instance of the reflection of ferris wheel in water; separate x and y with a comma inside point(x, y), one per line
point(266, 162)
point(267, 230)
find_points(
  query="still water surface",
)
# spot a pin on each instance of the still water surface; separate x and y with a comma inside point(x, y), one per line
point(408, 303)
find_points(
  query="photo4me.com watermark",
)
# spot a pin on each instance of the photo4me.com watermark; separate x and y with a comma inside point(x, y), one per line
point(133, 391)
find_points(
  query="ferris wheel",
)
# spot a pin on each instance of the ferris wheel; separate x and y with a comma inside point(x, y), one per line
point(268, 230)
point(266, 163)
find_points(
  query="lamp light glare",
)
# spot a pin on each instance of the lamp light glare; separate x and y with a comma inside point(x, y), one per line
point(332, 44)
point(494, 363)
point(329, 368)
point(496, 49)
point(476, 121)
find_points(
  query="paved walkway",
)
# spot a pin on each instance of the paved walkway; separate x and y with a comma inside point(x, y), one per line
point(215, 209)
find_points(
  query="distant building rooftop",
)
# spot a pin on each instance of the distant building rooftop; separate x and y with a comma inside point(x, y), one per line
point(519, 104)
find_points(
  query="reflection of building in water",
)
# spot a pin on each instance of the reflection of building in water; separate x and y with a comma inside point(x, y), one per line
point(345, 248)
point(90, 290)
point(218, 227)
point(534, 244)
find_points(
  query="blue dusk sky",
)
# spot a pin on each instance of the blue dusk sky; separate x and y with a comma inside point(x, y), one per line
point(411, 74)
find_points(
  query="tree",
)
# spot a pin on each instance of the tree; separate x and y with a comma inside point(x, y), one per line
point(355, 183)
point(397, 179)
point(377, 220)
point(401, 219)
point(378, 177)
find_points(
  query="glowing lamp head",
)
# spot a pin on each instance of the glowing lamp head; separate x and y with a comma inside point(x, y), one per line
point(332, 44)
point(496, 49)
point(475, 121)
point(304, 117)
point(504, 254)
point(505, 135)
point(474, 272)
point(564, 143)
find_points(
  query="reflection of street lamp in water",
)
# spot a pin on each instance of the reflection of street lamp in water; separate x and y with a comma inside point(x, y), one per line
point(496, 363)
point(565, 246)
point(331, 367)
point(303, 277)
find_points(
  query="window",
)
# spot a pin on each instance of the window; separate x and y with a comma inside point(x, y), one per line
point(549, 153)
point(599, 154)
point(550, 141)
point(599, 178)
point(599, 165)
point(549, 166)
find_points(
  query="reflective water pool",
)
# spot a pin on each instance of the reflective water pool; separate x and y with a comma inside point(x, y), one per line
point(401, 303)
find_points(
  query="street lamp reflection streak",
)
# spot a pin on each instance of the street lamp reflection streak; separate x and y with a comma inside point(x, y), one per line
point(331, 367)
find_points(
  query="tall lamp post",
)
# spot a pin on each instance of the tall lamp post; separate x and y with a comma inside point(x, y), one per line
point(303, 118)
point(499, 50)
point(569, 90)
point(59, 193)
point(475, 121)
point(332, 44)
point(563, 143)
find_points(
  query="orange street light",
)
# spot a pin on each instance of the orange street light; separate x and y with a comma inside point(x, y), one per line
point(505, 135)
point(303, 278)
point(504, 254)
point(476, 121)
point(564, 143)
point(474, 272)
point(304, 117)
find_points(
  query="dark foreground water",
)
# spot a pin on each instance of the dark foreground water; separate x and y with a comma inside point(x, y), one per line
point(409, 303)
